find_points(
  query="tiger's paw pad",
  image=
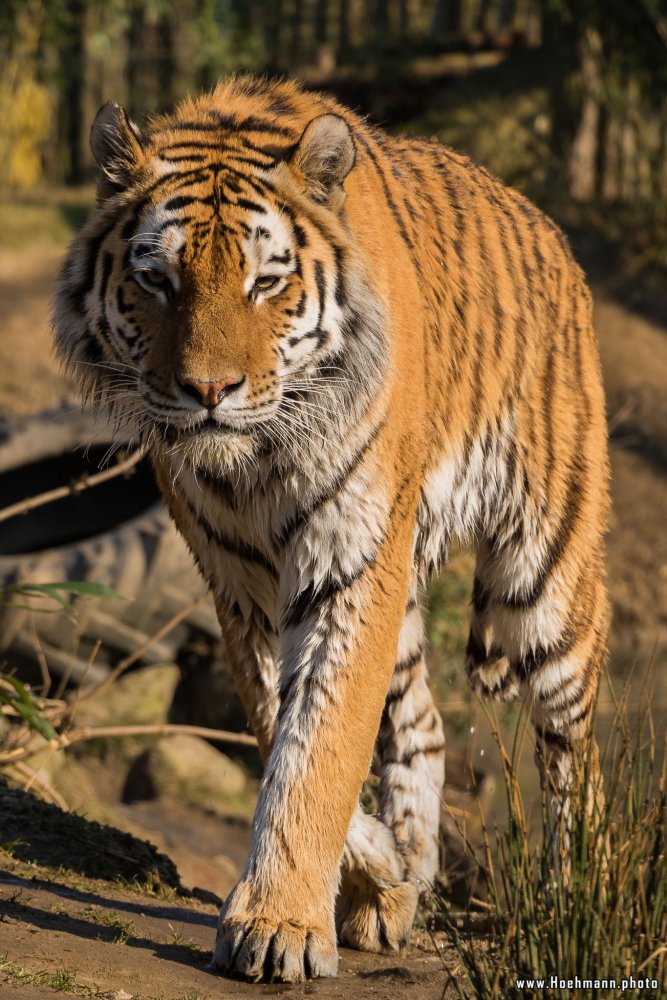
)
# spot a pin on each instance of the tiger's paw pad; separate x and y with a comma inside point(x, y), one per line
point(371, 918)
point(258, 948)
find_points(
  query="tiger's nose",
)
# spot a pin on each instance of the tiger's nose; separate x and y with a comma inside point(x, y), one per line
point(210, 392)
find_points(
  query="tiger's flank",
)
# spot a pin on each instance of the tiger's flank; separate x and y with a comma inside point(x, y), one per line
point(342, 350)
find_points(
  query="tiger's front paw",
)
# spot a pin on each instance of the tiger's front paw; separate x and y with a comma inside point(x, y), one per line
point(258, 945)
point(371, 918)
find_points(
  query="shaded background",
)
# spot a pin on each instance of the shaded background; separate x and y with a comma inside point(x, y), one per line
point(587, 77)
point(564, 99)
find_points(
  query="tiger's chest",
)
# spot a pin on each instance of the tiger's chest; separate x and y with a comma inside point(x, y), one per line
point(263, 544)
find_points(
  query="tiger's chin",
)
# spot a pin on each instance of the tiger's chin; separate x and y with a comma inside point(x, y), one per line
point(213, 451)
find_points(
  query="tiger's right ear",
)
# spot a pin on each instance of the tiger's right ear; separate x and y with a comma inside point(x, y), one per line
point(117, 145)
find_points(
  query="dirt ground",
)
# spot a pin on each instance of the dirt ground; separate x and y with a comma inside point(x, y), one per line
point(140, 946)
point(94, 938)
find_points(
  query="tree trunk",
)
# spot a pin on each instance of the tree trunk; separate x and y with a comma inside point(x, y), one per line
point(446, 17)
point(403, 20)
point(382, 22)
point(136, 96)
point(343, 30)
point(273, 18)
point(166, 63)
point(584, 152)
point(296, 32)
point(72, 71)
point(321, 22)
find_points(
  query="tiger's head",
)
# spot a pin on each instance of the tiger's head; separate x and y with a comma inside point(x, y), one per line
point(215, 299)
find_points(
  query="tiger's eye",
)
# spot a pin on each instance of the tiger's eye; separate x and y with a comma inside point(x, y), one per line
point(266, 281)
point(153, 280)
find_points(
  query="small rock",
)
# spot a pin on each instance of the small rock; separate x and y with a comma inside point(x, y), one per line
point(140, 698)
point(187, 769)
point(122, 995)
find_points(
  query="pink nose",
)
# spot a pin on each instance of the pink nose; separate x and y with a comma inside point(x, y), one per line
point(210, 392)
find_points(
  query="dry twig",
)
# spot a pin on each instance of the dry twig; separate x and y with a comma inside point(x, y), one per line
point(65, 740)
point(130, 660)
point(47, 789)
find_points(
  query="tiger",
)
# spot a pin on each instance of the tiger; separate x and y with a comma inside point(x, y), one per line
point(344, 349)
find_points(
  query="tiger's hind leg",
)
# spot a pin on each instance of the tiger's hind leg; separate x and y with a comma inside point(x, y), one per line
point(547, 640)
point(397, 852)
point(562, 691)
point(411, 747)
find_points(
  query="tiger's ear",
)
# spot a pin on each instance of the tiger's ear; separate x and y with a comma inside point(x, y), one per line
point(324, 155)
point(117, 145)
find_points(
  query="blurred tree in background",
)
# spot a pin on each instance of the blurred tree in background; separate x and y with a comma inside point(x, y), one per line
point(603, 62)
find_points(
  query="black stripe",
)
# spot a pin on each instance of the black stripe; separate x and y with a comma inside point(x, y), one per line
point(107, 265)
point(312, 598)
point(413, 723)
point(321, 290)
point(92, 250)
point(252, 206)
point(480, 597)
point(121, 304)
point(193, 126)
point(191, 144)
point(339, 294)
point(258, 184)
point(281, 258)
point(251, 124)
point(406, 759)
point(180, 201)
point(247, 161)
point(396, 694)
point(552, 738)
point(236, 547)
point(304, 514)
point(409, 662)
point(580, 716)
point(475, 651)
point(220, 487)
point(273, 153)
point(300, 235)
point(301, 305)
point(281, 106)
point(540, 656)
point(522, 600)
point(405, 236)
point(130, 227)
point(228, 123)
point(197, 157)
point(548, 410)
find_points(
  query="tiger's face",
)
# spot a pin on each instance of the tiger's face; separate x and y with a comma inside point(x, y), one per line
point(213, 285)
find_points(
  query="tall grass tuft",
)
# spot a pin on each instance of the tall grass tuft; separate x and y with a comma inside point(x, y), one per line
point(603, 929)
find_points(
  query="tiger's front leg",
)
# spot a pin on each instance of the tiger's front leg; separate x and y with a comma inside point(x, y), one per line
point(338, 650)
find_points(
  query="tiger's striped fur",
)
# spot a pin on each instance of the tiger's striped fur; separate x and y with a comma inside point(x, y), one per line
point(411, 357)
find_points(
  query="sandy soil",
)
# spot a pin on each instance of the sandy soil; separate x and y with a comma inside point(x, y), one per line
point(105, 940)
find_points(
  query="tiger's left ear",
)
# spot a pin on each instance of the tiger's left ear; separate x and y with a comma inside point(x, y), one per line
point(324, 155)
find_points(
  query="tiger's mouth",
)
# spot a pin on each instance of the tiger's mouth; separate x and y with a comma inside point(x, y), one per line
point(212, 428)
point(209, 428)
